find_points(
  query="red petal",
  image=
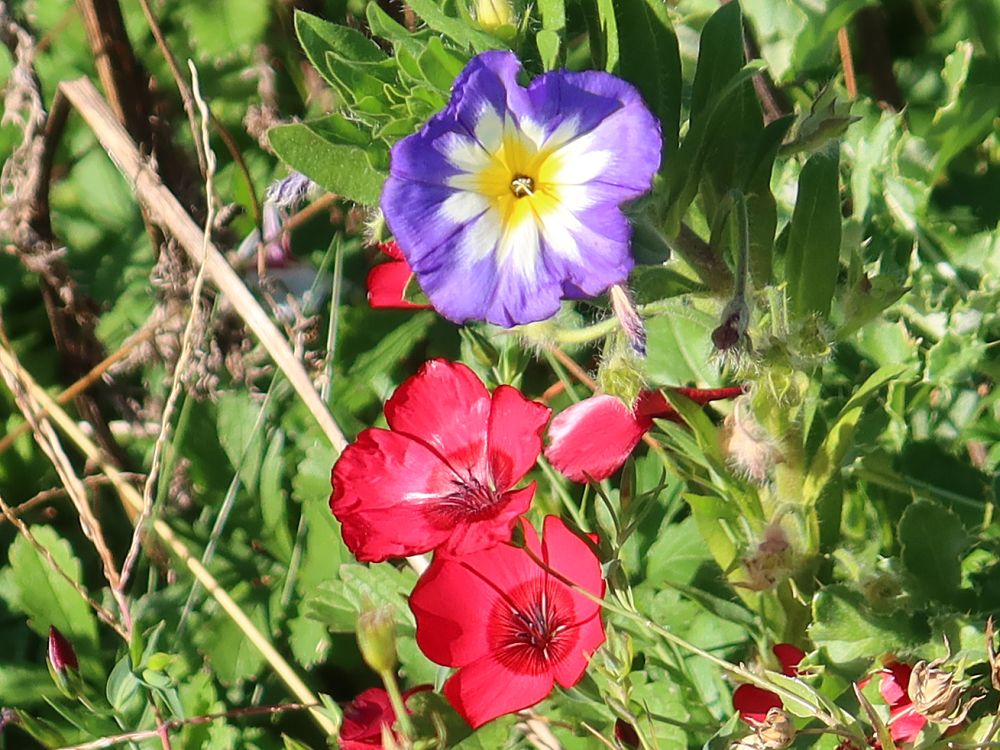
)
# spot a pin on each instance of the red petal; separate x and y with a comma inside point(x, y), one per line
point(907, 726)
point(454, 599)
point(589, 636)
point(592, 439)
point(568, 555)
point(789, 656)
point(386, 284)
point(475, 535)
point(391, 249)
point(754, 702)
point(363, 719)
point(894, 684)
point(515, 435)
point(382, 485)
point(487, 689)
point(654, 404)
point(446, 406)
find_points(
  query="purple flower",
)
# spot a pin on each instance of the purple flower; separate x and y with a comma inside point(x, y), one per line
point(508, 200)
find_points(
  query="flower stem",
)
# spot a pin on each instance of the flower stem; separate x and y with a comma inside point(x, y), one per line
point(744, 674)
point(398, 706)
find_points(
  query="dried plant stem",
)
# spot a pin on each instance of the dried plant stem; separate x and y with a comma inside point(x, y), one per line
point(167, 211)
point(131, 497)
point(187, 345)
point(10, 514)
point(87, 380)
point(45, 496)
point(48, 441)
point(847, 62)
point(147, 734)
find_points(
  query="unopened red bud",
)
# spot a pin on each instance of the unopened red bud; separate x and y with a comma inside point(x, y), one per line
point(625, 734)
point(61, 653)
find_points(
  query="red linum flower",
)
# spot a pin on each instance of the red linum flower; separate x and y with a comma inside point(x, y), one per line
point(387, 281)
point(904, 723)
point(592, 439)
point(753, 702)
point(512, 628)
point(442, 475)
point(365, 716)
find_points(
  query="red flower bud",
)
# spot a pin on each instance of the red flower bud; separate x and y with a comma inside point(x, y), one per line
point(61, 653)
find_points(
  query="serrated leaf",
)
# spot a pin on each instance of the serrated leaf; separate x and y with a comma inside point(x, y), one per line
point(332, 152)
point(813, 252)
point(932, 543)
point(30, 585)
point(849, 633)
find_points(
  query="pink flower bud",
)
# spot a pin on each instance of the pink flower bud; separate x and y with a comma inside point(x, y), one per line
point(61, 653)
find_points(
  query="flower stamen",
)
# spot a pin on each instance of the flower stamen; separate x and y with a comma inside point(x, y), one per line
point(522, 186)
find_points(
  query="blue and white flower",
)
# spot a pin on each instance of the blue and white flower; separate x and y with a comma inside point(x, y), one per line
point(509, 199)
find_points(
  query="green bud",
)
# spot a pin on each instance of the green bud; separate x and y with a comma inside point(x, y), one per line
point(377, 638)
point(494, 13)
point(621, 374)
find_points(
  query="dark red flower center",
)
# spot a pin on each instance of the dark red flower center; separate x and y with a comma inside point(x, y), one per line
point(470, 500)
point(531, 628)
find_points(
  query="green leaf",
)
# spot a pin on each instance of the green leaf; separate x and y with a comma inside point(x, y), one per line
point(650, 59)
point(29, 584)
point(318, 37)
point(240, 424)
point(680, 347)
point(848, 632)
point(222, 28)
point(334, 153)
point(830, 456)
point(454, 28)
point(274, 500)
point(602, 26)
point(813, 251)
point(933, 541)
point(549, 38)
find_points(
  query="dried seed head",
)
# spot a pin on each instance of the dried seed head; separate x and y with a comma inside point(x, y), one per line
point(771, 563)
point(936, 695)
point(748, 449)
point(776, 732)
point(994, 657)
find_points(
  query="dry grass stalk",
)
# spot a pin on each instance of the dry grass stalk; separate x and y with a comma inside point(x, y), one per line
point(187, 345)
point(48, 441)
point(169, 214)
point(109, 619)
point(131, 497)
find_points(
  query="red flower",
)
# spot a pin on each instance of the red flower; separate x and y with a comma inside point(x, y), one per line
point(591, 439)
point(753, 702)
point(387, 281)
point(512, 628)
point(904, 723)
point(442, 475)
point(365, 716)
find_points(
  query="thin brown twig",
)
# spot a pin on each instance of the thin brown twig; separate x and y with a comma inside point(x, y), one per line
point(45, 496)
point(187, 346)
point(47, 439)
point(189, 108)
point(25, 531)
point(169, 213)
point(147, 734)
point(87, 380)
point(847, 63)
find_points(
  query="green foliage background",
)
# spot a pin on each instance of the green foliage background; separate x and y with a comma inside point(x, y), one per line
point(874, 262)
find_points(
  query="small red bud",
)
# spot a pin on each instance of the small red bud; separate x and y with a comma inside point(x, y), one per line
point(61, 653)
point(625, 733)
